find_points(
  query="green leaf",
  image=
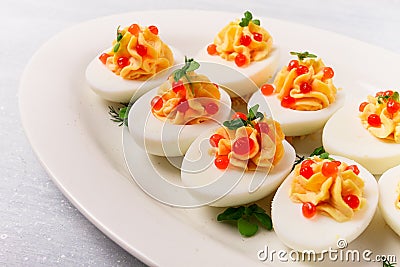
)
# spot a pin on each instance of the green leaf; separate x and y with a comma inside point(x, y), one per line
point(122, 112)
point(248, 15)
point(249, 210)
point(234, 124)
point(252, 112)
point(264, 219)
point(247, 18)
point(231, 214)
point(303, 55)
point(259, 116)
point(247, 228)
point(119, 36)
point(178, 74)
point(318, 151)
point(396, 96)
point(193, 66)
point(325, 156)
point(254, 208)
point(116, 47)
point(190, 65)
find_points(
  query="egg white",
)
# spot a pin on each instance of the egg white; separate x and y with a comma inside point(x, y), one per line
point(344, 135)
point(320, 232)
point(242, 81)
point(161, 138)
point(232, 186)
point(296, 122)
point(387, 197)
point(112, 87)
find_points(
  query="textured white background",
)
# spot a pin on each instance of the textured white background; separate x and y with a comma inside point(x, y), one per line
point(38, 225)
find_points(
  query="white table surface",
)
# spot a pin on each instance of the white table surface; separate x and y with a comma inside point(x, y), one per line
point(38, 225)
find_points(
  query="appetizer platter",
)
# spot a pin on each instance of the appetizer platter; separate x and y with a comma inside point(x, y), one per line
point(158, 193)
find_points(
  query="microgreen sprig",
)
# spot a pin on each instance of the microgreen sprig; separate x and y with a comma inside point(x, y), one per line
point(119, 37)
point(248, 17)
point(303, 55)
point(190, 65)
point(252, 115)
point(119, 114)
point(387, 263)
point(319, 151)
point(246, 218)
point(395, 96)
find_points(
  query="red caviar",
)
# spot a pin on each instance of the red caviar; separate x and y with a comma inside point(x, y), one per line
point(267, 89)
point(240, 60)
point(352, 200)
point(214, 139)
point(309, 209)
point(221, 162)
point(243, 146)
point(103, 57)
point(212, 49)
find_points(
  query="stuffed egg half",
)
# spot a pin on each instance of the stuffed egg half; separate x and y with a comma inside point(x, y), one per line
point(137, 62)
point(166, 120)
point(304, 226)
point(237, 164)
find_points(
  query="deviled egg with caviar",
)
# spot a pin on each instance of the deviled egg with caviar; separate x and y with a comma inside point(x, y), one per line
point(130, 67)
point(240, 162)
point(389, 197)
point(303, 96)
point(247, 47)
point(322, 201)
point(167, 119)
point(368, 132)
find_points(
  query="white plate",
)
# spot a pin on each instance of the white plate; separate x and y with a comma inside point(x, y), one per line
point(79, 146)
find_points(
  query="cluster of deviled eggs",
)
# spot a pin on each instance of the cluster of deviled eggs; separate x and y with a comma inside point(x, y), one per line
point(166, 121)
point(231, 158)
